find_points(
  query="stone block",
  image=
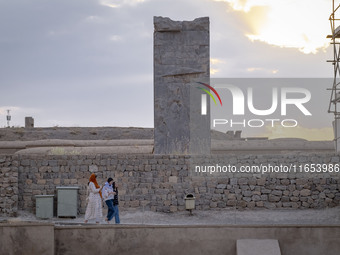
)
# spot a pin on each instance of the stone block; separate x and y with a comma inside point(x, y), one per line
point(231, 197)
point(221, 186)
point(41, 182)
point(241, 204)
point(277, 192)
point(258, 247)
point(29, 122)
point(221, 204)
point(286, 192)
point(233, 181)
point(251, 204)
point(294, 199)
point(231, 203)
point(261, 182)
point(305, 192)
point(247, 193)
point(259, 204)
point(173, 208)
point(173, 179)
point(305, 204)
point(256, 198)
point(242, 181)
point(265, 191)
point(247, 199)
point(269, 205)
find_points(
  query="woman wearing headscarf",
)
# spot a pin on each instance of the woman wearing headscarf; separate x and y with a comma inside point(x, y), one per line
point(108, 198)
point(94, 201)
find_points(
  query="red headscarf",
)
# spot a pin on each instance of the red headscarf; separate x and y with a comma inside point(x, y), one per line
point(94, 180)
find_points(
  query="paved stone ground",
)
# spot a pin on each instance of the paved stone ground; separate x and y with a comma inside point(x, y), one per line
point(329, 217)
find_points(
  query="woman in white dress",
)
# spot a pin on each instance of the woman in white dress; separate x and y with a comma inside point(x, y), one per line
point(94, 201)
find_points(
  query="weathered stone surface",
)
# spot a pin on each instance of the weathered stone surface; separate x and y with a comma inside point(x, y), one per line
point(181, 58)
point(159, 183)
point(29, 122)
point(166, 25)
point(273, 198)
point(277, 192)
point(305, 192)
point(221, 186)
point(173, 179)
point(258, 246)
point(269, 205)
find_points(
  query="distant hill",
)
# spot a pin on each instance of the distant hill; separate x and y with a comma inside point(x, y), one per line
point(124, 140)
point(84, 133)
point(75, 133)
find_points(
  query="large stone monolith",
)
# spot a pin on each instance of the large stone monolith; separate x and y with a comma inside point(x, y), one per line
point(181, 59)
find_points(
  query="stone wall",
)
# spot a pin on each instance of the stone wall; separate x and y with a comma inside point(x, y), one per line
point(27, 238)
point(144, 181)
point(193, 240)
point(8, 187)
point(292, 182)
point(45, 238)
point(160, 182)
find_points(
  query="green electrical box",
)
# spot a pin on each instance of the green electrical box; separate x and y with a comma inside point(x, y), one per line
point(67, 201)
point(44, 206)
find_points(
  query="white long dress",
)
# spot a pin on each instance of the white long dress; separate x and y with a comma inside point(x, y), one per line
point(94, 205)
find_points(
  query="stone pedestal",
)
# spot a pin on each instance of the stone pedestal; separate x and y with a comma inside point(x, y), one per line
point(181, 59)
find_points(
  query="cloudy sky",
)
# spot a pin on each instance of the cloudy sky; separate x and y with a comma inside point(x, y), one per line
point(90, 62)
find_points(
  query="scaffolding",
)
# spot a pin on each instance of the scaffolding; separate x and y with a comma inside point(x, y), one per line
point(335, 94)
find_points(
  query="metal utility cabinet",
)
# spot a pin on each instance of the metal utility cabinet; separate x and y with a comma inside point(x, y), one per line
point(67, 201)
point(44, 206)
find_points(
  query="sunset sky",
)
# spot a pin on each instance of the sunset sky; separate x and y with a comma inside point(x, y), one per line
point(90, 62)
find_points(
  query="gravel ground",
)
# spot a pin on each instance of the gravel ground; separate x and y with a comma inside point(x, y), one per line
point(330, 216)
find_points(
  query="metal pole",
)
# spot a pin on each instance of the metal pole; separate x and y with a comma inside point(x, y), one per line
point(8, 117)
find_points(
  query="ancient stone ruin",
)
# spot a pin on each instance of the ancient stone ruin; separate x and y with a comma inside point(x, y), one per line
point(29, 122)
point(159, 183)
point(181, 57)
